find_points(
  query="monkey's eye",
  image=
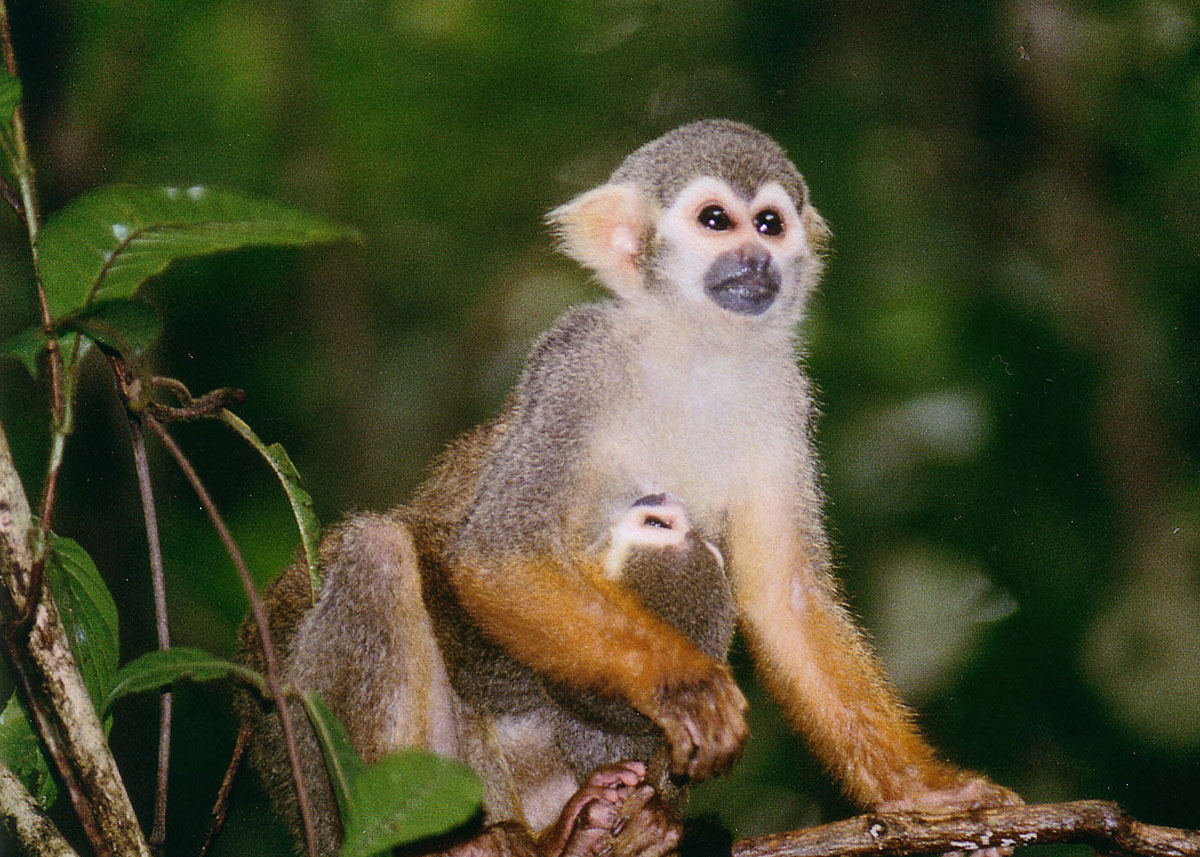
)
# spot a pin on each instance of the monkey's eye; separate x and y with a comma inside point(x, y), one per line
point(715, 218)
point(768, 222)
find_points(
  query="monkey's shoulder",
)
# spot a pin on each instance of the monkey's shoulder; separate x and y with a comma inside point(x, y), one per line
point(544, 410)
point(575, 371)
point(582, 339)
point(453, 479)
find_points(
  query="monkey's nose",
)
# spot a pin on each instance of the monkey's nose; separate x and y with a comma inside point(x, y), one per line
point(753, 256)
point(743, 280)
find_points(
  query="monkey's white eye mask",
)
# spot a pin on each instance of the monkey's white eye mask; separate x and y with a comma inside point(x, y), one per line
point(730, 251)
point(654, 521)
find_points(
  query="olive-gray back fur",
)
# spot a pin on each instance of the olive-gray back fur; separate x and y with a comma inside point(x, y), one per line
point(742, 156)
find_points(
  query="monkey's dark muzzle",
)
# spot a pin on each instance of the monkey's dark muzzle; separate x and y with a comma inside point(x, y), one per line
point(743, 281)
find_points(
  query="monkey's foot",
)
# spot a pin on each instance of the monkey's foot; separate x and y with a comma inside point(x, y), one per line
point(648, 828)
point(613, 813)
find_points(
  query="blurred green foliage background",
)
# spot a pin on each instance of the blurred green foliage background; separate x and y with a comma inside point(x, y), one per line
point(1007, 342)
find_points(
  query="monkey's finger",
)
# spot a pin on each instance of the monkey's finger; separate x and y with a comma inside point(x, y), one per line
point(630, 772)
point(681, 738)
point(616, 775)
point(633, 805)
point(592, 832)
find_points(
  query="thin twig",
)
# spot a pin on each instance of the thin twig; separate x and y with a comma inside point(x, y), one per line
point(12, 198)
point(206, 406)
point(1100, 824)
point(221, 804)
point(274, 684)
point(158, 832)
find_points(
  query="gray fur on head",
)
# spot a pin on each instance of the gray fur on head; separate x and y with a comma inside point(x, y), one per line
point(740, 155)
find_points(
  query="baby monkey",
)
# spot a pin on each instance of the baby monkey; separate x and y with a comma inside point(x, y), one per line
point(652, 552)
point(674, 573)
point(503, 617)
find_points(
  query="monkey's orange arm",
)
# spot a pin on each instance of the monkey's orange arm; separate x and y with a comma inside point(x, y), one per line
point(586, 632)
point(575, 627)
point(817, 664)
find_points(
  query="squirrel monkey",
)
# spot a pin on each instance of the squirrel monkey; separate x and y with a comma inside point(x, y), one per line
point(520, 613)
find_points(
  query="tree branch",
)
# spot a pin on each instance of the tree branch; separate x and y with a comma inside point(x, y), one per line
point(16, 559)
point(1100, 824)
point(36, 833)
point(50, 682)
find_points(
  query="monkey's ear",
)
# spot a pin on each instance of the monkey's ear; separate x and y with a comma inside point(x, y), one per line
point(819, 233)
point(602, 230)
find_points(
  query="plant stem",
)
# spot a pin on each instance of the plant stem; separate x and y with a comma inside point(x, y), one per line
point(221, 804)
point(11, 196)
point(60, 424)
point(158, 832)
point(274, 683)
point(22, 166)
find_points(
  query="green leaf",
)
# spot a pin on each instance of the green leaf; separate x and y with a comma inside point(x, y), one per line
point(22, 752)
point(10, 98)
point(408, 796)
point(107, 243)
point(88, 614)
point(341, 761)
point(157, 669)
point(127, 327)
point(403, 797)
point(7, 685)
point(26, 346)
point(300, 500)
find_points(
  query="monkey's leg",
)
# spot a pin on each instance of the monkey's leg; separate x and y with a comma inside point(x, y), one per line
point(368, 648)
point(368, 645)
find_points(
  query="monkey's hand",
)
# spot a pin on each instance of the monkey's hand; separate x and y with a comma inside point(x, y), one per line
point(970, 791)
point(614, 814)
point(704, 720)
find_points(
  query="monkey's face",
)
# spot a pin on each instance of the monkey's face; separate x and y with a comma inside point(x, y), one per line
point(718, 247)
point(738, 256)
point(709, 219)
